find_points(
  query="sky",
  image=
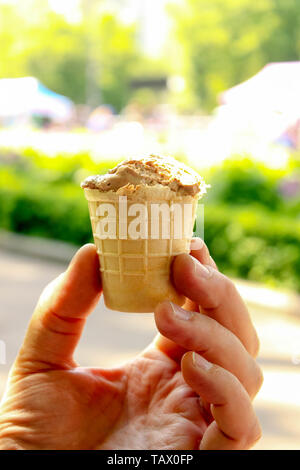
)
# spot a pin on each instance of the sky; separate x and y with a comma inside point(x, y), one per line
point(69, 8)
point(154, 24)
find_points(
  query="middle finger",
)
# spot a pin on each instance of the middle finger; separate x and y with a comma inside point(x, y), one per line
point(197, 332)
point(217, 297)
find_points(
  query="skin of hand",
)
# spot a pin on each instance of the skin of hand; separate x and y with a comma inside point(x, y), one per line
point(190, 389)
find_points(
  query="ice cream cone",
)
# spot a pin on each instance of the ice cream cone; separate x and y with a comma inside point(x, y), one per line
point(136, 272)
point(137, 243)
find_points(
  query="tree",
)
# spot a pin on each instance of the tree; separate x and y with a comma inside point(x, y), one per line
point(12, 62)
point(226, 42)
point(55, 53)
point(115, 51)
point(69, 58)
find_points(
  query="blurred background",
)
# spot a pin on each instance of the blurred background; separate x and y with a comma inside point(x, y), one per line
point(214, 83)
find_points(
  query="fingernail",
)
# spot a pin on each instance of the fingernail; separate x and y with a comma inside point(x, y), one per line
point(200, 270)
point(180, 313)
point(196, 243)
point(200, 362)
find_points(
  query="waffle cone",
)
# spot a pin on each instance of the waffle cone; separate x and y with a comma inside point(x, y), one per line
point(136, 273)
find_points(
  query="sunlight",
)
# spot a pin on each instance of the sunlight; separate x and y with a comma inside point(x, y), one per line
point(281, 387)
point(70, 9)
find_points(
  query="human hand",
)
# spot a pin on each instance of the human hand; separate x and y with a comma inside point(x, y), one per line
point(215, 341)
point(148, 403)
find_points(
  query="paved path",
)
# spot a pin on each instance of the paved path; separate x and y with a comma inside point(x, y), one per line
point(111, 337)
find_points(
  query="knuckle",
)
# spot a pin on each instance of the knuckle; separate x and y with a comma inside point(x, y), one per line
point(213, 263)
point(228, 288)
point(260, 378)
point(229, 285)
point(254, 435)
point(256, 380)
point(256, 346)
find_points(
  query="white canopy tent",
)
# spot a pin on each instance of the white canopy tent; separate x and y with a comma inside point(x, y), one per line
point(268, 103)
point(276, 87)
point(27, 96)
point(254, 117)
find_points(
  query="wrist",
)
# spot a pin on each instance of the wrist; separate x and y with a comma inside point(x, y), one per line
point(9, 444)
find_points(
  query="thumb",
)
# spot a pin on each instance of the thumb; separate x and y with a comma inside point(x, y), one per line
point(58, 320)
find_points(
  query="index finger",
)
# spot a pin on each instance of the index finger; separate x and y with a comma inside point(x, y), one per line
point(173, 350)
point(217, 297)
point(199, 250)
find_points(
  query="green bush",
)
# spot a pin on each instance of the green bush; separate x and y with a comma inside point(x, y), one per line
point(46, 213)
point(254, 244)
point(242, 181)
point(251, 228)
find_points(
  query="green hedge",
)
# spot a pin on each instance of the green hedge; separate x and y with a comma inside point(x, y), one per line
point(245, 243)
point(46, 214)
point(251, 230)
point(254, 244)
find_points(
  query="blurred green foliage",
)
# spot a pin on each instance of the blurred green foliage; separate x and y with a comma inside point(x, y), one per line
point(252, 223)
point(91, 59)
point(218, 44)
point(241, 181)
point(253, 243)
point(41, 195)
point(225, 42)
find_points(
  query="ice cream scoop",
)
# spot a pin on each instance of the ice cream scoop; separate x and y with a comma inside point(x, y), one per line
point(142, 214)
